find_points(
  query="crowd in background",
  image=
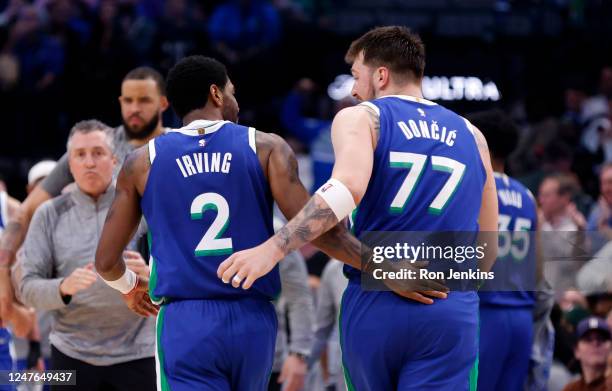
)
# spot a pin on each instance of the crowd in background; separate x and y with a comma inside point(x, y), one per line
point(63, 60)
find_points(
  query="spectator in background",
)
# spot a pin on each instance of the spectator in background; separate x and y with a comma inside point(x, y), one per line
point(294, 339)
point(41, 63)
point(559, 214)
point(93, 331)
point(600, 218)
point(314, 133)
point(38, 172)
point(592, 350)
point(327, 339)
point(178, 34)
point(240, 29)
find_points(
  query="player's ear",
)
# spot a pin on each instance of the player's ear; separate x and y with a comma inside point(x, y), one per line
point(216, 95)
point(163, 103)
point(382, 76)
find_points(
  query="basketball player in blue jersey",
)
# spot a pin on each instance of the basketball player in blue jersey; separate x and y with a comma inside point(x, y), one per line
point(206, 190)
point(410, 165)
point(506, 320)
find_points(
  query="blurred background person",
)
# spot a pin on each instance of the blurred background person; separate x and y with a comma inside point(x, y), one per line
point(592, 351)
point(93, 331)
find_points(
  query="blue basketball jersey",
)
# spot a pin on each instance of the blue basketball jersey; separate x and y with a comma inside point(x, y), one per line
point(206, 197)
point(3, 210)
point(516, 253)
point(427, 173)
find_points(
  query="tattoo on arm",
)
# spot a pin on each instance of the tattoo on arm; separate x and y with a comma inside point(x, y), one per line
point(315, 219)
point(374, 122)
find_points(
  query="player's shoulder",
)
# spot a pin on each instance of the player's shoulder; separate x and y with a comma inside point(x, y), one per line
point(267, 142)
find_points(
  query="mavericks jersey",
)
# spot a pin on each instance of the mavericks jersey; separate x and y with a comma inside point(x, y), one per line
point(206, 197)
point(4, 218)
point(516, 262)
point(427, 173)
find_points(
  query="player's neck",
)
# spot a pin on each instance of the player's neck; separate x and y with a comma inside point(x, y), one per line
point(206, 113)
point(409, 89)
point(498, 166)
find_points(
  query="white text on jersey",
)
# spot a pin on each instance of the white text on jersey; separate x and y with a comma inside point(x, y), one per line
point(429, 130)
point(510, 198)
point(198, 163)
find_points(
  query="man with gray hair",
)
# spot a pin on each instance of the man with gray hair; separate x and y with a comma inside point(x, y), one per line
point(93, 331)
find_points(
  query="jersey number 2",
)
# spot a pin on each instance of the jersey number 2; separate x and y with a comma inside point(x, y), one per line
point(212, 243)
point(415, 162)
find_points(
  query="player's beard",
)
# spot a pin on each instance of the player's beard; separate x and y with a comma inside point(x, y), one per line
point(144, 132)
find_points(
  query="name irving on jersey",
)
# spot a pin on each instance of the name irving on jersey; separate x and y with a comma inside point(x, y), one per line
point(204, 162)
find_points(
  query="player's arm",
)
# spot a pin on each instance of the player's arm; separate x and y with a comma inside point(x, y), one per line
point(489, 212)
point(122, 219)
point(12, 238)
point(353, 141)
point(120, 225)
point(15, 231)
point(291, 196)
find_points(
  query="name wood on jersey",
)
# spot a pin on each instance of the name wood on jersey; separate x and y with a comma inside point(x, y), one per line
point(430, 130)
point(201, 162)
point(510, 198)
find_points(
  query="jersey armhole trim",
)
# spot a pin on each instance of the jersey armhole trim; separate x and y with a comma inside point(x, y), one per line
point(469, 126)
point(252, 143)
point(4, 208)
point(371, 106)
point(152, 152)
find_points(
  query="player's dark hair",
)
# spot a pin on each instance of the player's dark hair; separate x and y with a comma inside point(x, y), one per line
point(144, 73)
point(395, 47)
point(189, 82)
point(498, 129)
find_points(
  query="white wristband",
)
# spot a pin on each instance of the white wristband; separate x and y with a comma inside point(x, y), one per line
point(125, 283)
point(338, 197)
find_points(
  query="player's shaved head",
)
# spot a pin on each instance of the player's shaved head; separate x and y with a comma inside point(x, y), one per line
point(189, 83)
point(395, 47)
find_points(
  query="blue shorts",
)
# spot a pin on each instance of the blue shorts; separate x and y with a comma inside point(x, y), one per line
point(6, 362)
point(391, 343)
point(506, 335)
point(215, 345)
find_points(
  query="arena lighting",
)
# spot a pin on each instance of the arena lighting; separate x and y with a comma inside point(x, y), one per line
point(468, 88)
point(454, 88)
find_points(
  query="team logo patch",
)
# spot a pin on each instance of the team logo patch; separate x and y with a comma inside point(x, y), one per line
point(326, 187)
point(422, 112)
point(202, 142)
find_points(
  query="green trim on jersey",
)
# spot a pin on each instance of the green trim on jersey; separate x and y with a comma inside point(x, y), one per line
point(153, 276)
point(347, 376)
point(162, 379)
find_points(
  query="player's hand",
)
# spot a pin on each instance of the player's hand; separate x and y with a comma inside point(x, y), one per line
point(138, 299)
point(22, 320)
point(244, 267)
point(576, 216)
point(135, 262)
point(7, 296)
point(80, 279)
point(418, 289)
point(293, 373)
